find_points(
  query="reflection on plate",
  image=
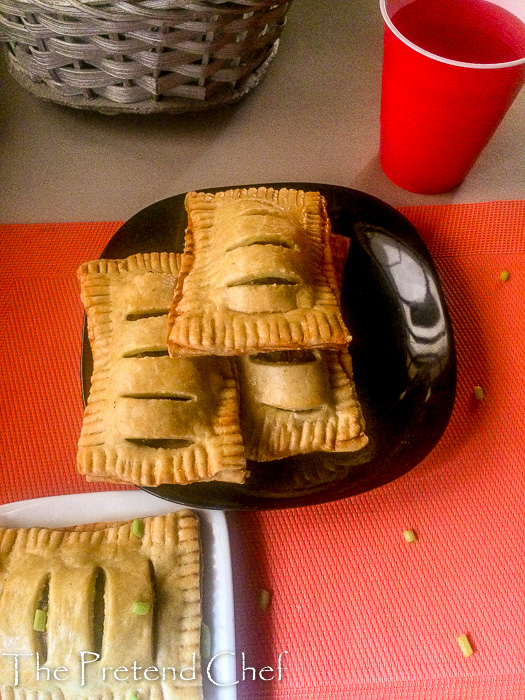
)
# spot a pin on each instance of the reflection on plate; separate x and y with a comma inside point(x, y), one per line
point(402, 350)
point(113, 506)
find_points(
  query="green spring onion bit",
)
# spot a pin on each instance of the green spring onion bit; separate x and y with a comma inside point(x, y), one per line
point(264, 599)
point(479, 393)
point(205, 641)
point(410, 536)
point(141, 608)
point(137, 527)
point(40, 620)
point(465, 646)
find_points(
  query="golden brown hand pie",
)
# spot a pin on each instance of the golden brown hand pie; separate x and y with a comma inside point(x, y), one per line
point(302, 401)
point(152, 419)
point(297, 402)
point(113, 599)
point(256, 275)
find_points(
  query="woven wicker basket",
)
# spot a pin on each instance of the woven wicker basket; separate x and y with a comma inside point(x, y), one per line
point(140, 55)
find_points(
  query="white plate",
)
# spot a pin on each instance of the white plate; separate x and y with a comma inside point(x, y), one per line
point(112, 506)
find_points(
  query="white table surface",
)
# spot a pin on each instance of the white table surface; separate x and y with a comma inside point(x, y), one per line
point(314, 118)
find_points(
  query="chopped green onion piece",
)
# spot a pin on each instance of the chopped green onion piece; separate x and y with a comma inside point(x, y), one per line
point(464, 645)
point(132, 696)
point(504, 276)
point(264, 599)
point(205, 641)
point(141, 608)
point(478, 393)
point(40, 620)
point(137, 527)
point(410, 536)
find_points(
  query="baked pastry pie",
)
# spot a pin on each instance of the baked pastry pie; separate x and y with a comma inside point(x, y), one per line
point(301, 401)
point(152, 419)
point(257, 275)
point(297, 402)
point(109, 609)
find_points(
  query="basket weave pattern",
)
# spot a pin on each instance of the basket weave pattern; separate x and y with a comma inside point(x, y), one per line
point(136, 51)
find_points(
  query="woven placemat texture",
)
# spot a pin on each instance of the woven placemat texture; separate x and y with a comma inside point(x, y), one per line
point(40, 332)
point(360, 613)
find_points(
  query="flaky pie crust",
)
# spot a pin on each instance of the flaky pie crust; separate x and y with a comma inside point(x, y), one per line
point(161, 567)
point(300, 402)
point(151, 419)
point(256, 275)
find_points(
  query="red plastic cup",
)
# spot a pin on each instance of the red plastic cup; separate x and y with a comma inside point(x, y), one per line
point(451, 70)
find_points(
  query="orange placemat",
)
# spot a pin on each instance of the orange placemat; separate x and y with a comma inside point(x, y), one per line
point(359, 613)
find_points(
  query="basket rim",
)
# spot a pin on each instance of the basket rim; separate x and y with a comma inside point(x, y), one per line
point(235, 7)
point(167, 105)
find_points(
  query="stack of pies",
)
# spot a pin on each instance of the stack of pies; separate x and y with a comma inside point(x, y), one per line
point(235, 350)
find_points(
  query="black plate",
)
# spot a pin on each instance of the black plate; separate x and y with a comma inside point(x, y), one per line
point(402, 349)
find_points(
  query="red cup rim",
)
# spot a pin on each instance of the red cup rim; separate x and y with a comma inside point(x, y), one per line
point(442, 59)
